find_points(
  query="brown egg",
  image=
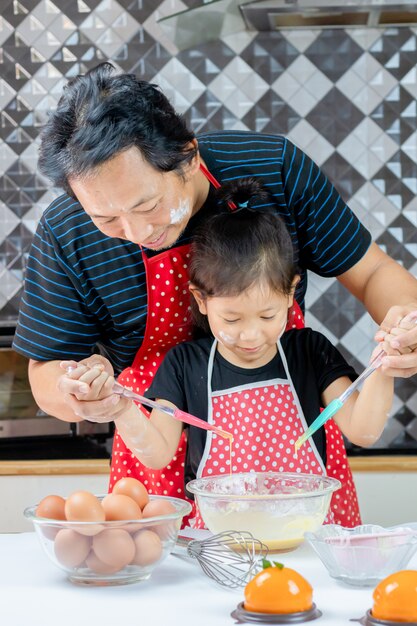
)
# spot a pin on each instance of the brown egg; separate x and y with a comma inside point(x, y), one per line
point(120, 507)
point(83, 506)
point(134, 489)
point(50, 531)
point(71, 548)
point(148, 547)
point(52, 507)
point(156, 508)
point(87, 529)
point(114, 547)
point(99, 567)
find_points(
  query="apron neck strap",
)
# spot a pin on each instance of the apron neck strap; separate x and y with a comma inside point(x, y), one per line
point(209, 176)
point(215, 183)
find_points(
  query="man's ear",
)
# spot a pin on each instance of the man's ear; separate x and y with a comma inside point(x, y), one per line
point(199, 298)
point(192, 167)
point(294, 284)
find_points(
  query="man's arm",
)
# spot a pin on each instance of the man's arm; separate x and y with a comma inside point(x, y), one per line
point(43, 377)
point(381, 283)
point(334, 243)
point(54, 392)
point(389, 293)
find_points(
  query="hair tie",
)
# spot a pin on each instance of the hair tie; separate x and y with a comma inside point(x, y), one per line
point(243, 195)
point(248, 206)
point(242, 205)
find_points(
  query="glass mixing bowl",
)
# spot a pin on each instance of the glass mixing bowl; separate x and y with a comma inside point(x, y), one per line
point(364, 555)
point(110, 553)
point(276, 507)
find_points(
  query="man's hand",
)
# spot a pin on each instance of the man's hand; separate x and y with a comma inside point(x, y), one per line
point(87, 389)
point(389, 294)
point(399, 329)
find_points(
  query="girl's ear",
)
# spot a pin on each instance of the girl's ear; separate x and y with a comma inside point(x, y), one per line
point(294, 284)
point(199, 298)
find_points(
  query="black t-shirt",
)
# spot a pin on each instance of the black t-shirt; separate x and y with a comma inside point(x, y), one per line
point(313, 363)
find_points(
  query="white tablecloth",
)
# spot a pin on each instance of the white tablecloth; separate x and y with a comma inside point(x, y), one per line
point(34, 592)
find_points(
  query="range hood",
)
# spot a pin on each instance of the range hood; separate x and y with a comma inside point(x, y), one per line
point(275, 14)
point(218, 18)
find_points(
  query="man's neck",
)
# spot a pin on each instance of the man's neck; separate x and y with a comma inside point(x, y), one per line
point(202, 190)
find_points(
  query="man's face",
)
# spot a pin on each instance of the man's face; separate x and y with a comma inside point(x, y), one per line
point(129, 199)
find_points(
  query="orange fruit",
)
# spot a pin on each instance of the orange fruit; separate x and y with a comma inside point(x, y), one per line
point(395, 597)
point(278, 589)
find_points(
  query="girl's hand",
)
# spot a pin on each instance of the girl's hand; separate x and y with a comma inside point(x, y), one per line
point(87, 390)
point(400, 344)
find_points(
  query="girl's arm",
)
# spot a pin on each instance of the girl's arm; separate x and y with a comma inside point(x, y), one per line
point(362, 418)
point(153, 440)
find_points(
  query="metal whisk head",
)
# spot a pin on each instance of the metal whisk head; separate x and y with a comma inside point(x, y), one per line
point(231, 558)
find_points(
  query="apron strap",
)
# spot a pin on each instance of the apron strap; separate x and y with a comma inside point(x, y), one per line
point(215, 183)
point(210, 176)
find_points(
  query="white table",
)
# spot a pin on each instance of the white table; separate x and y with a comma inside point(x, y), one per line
point(34, 592)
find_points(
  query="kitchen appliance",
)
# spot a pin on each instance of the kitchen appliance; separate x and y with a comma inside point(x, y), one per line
point(275, 14)
point(22, 422)
point(215, 19)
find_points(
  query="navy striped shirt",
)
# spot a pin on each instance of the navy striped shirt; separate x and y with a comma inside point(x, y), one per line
point(84, 289)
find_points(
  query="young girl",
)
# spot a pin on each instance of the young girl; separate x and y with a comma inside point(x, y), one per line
point(249, 377)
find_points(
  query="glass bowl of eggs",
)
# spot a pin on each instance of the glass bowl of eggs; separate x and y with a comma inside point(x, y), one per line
point(276, 507)
point(115, 539)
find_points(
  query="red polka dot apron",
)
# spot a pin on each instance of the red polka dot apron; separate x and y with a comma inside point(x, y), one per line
point(168, 323)
point(266, 419)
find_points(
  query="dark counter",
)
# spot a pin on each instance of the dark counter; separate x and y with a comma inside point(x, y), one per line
point(46, 448)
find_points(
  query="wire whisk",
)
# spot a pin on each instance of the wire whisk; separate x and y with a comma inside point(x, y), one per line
point(231, 558)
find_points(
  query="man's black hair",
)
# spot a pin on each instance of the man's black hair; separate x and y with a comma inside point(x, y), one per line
point(102, 113)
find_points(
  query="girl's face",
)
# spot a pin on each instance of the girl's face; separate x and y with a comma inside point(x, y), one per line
point(249, 325)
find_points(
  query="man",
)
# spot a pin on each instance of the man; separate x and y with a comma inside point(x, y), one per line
point(135, 176)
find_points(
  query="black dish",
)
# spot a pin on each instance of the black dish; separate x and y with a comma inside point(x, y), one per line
point(241, 615)
point(369, 620)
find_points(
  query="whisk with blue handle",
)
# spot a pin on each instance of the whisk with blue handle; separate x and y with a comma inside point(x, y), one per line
point(336, 404)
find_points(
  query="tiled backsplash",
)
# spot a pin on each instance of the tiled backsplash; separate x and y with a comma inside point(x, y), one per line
point(347, 97)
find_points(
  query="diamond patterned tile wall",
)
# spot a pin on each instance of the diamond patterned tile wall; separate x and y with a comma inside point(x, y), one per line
point(289, 82)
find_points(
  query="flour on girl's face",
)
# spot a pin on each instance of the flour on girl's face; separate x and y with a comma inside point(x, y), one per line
point(181, 212)
point(226, 339)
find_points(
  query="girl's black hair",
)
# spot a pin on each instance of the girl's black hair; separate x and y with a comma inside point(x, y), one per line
point(237, 249)
point(99, 115)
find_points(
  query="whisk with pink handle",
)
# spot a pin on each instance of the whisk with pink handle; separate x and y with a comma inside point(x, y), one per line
point(177, 414)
